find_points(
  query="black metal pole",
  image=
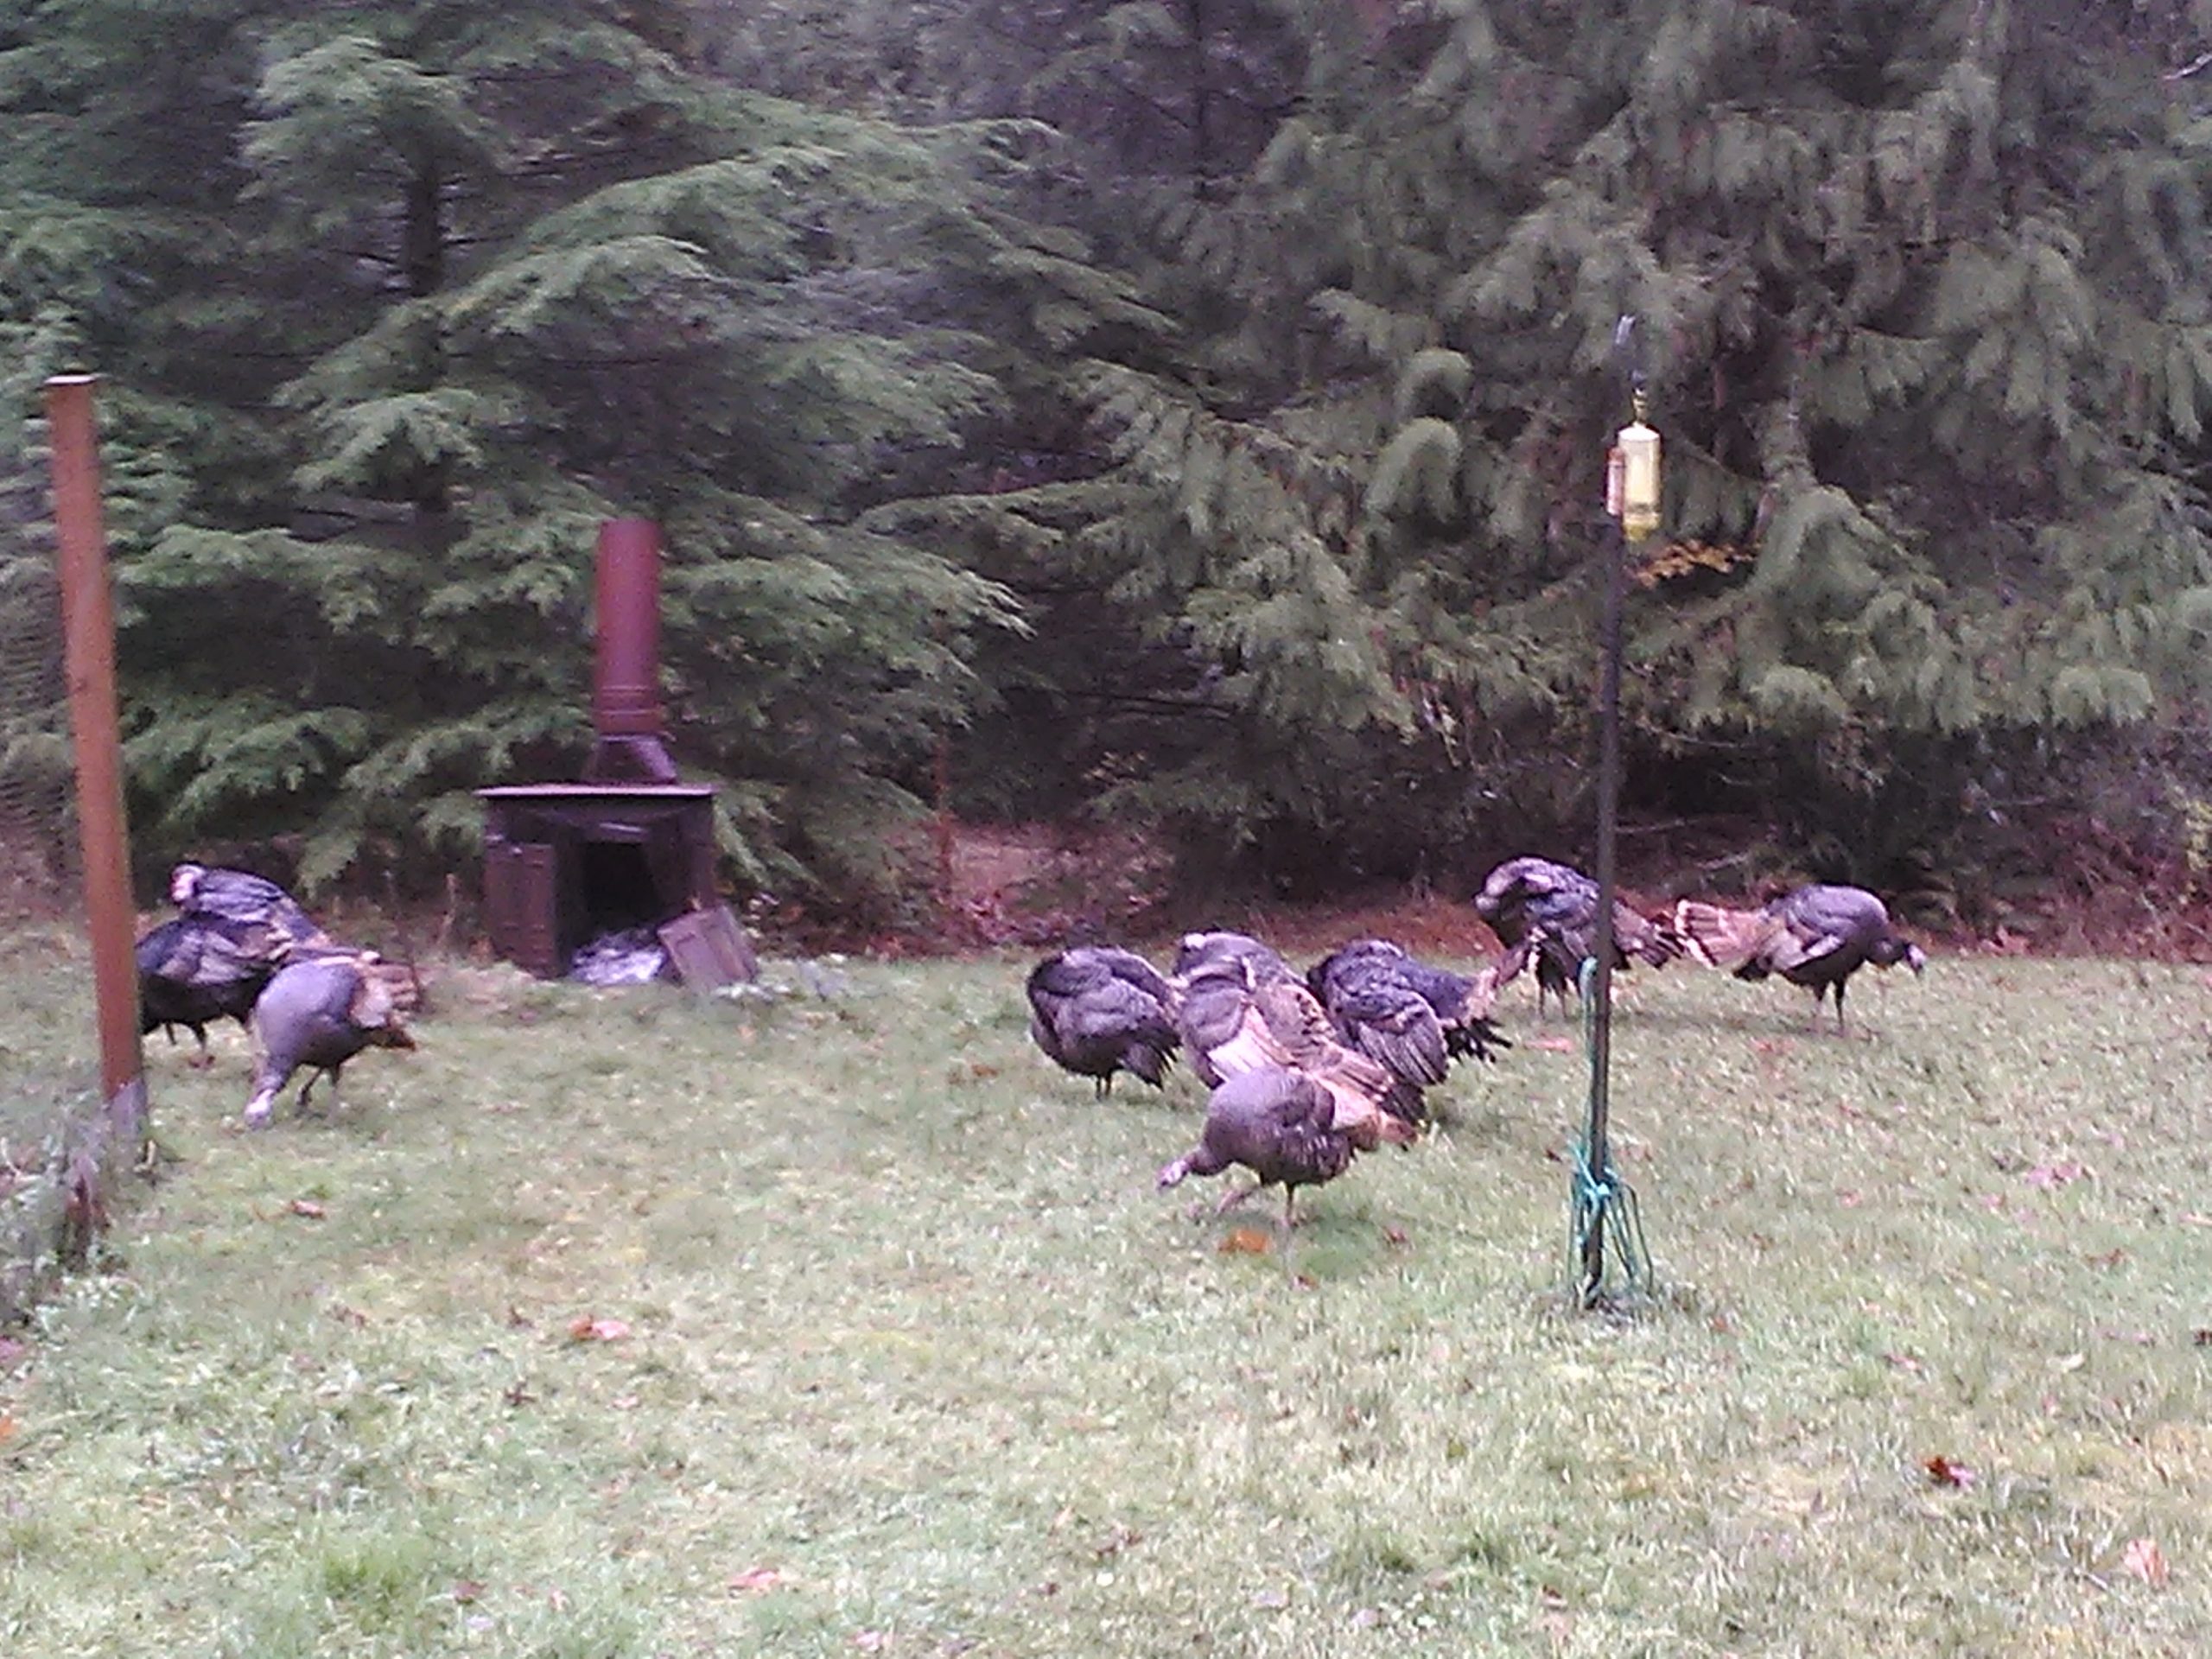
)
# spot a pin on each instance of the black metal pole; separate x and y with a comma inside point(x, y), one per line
point(1601, 987)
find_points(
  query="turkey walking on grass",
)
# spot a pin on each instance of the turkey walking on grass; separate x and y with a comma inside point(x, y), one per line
point(1817, 937)
point(1524, 896)
point(1097, 1011)
point(320, 1011)
point(193, 971)
point(1281, 1125)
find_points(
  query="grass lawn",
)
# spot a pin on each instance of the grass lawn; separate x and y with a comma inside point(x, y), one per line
point(888, 1346)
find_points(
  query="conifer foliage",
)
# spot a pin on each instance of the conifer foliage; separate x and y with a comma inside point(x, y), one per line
point(1210, 396)
point(439, 286)
point(1922, 296)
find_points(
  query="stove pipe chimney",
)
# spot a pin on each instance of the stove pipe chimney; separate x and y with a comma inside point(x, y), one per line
point(626, 711)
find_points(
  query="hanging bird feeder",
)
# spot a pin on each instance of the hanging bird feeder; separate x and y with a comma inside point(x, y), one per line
point(1603, 1219)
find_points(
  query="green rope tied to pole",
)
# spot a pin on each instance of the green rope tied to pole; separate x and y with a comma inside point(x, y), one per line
point(1605, 1222)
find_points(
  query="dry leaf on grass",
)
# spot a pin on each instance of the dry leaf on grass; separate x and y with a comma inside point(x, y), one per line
point(466, 1591)
point(588, 1329)
point(306, 1207)
point(2145, 1560)
point(1944, 1472)
point(7, 1428)
point(1247, 1241)
point(756, 1580)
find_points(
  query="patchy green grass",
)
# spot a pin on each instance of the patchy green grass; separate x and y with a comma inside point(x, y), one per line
point(899, 1350)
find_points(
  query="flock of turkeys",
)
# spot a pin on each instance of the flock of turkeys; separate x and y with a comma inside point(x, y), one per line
point(1307, 1071)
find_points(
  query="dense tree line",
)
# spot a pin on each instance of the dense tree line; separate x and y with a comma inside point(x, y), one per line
point(1195, 408)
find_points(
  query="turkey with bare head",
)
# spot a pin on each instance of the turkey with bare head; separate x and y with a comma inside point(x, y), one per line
point(1816, 935)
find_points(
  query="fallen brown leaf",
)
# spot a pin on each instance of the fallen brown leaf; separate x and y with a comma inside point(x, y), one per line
point(1903, 1363)
point(2145, 1560)
point(7, 1428)
point(1247, 1241)
point(1944, 1472)
point(588, 1329)
point(1554, 1044)
point(466, 1591)
point(756, 1580)
point(1395, 1238)
point(306, 1207)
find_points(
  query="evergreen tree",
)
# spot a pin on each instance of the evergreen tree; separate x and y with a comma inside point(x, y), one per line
point(1921, 289)
point(508, 272)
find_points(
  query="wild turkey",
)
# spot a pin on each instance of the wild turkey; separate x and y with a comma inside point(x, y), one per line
point(251, 906)
point(319, 1011)
point(1279, 1123)
point(1816, 936)
point(195, 970)
point(1412, 1018)
point(1095, 1011)
point(1524, 896)
point(1239, 1008)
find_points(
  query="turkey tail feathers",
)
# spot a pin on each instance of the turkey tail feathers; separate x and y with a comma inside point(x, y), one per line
point(1727, 940)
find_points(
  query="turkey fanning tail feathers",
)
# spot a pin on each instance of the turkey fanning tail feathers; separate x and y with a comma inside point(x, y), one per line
point(1816, 936)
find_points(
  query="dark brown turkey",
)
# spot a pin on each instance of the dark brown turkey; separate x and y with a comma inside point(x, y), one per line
point(1412, 1018)
point(1281, 1124)
point(1817, 937)
point(1097, 1011)
point(1240, 1008)
point(1526, 897)
point(252, 906)
point(193, 971)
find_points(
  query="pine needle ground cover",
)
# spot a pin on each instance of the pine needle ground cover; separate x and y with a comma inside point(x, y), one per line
point(617, 1324)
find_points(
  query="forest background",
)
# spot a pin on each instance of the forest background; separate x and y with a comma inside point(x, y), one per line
point(1185, 416)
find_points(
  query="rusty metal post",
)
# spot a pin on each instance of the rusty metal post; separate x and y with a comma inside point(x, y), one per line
point(88, 635)
point(626, 709)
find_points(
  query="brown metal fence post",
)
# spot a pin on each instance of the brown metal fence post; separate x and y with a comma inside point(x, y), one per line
point(88, 634)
